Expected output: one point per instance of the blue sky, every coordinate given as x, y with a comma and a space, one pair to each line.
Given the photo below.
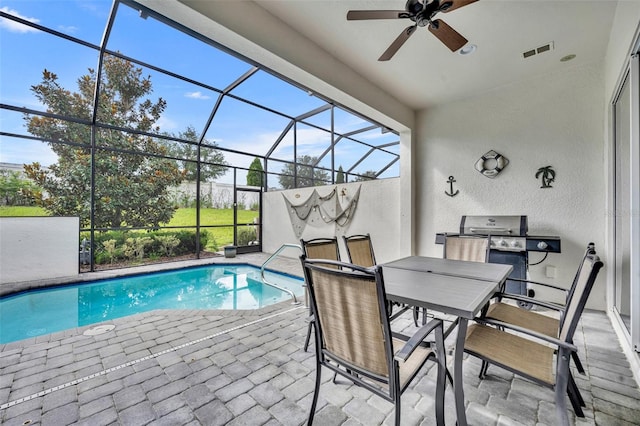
25, 53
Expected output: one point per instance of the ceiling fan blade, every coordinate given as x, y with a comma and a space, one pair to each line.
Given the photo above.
450, 37
455, 4
354, 15
397, 43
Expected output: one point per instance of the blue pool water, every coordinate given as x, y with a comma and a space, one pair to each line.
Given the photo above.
46, 311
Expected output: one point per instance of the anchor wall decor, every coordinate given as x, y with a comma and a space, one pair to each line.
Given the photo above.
451, 193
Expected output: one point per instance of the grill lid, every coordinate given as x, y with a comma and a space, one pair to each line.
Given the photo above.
495, 225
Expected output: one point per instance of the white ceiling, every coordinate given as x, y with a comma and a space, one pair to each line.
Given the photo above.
424, 72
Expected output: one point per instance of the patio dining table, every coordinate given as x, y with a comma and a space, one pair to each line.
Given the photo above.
453, 287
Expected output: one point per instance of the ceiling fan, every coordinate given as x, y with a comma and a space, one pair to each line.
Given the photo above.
422, 13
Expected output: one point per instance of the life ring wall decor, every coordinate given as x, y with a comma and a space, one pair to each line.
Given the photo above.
491, 164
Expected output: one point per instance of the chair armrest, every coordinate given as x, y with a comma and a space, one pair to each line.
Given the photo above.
526, 299
556, 342
555, 287
416, 339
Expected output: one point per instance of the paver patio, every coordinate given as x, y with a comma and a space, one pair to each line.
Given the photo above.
248, 368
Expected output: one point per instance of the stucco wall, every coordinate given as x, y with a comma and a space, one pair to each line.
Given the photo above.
33, 248
377, 213
552, 120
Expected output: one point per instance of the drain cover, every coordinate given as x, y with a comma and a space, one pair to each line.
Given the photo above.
100, 329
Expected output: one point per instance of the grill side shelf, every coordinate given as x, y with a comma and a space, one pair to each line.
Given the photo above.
543, 244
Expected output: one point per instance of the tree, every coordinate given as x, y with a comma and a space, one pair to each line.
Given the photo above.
255, 175
308, 174
368, 175
212, 164
15, 190
130, 188
340, 176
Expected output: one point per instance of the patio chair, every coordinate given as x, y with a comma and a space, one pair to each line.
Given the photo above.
474, 249
457, 247
540, 323
535, 356
321, 248
353, 335
318, 248
360, 250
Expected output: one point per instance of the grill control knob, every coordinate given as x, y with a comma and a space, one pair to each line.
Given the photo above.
515, 243
542, 245
503, 243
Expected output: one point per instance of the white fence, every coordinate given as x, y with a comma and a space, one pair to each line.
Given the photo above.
213, 195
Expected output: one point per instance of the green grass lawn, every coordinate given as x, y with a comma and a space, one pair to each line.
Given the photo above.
22, 211
209, 217
187, 217
183, 217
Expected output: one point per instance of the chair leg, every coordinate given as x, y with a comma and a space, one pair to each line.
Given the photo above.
575, 402
574, 385
562, 387
443, 372
308, 339
483, 370
574, 396
577, 362
316, 391
449, 376
416, 315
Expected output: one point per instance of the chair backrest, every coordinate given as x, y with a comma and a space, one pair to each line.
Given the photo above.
475, 249
591, 265
591, 249
348, 302
360, 250
321, 248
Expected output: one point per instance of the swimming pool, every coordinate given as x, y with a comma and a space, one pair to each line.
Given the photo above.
45, 311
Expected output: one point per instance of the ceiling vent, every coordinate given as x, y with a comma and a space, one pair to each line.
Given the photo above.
538, 50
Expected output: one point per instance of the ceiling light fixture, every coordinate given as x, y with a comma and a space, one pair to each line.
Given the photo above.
468, 49
567, 58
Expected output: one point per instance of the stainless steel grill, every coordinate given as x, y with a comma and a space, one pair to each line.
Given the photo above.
506, 233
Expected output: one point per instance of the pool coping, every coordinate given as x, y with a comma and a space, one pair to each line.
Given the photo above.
7, 289
142, 317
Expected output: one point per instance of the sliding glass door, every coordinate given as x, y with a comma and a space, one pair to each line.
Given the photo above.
626, 120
